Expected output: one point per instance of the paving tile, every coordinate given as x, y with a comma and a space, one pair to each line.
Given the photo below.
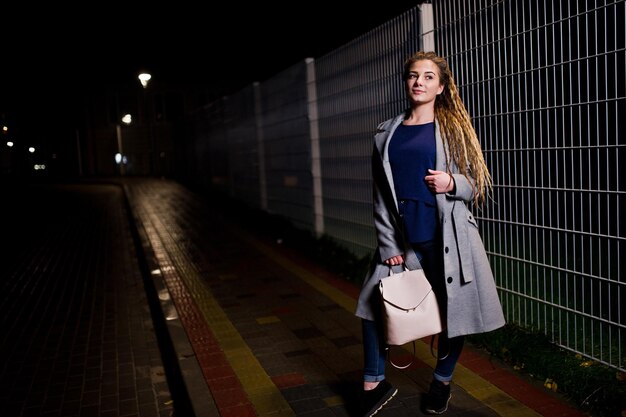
289, 380
308, 332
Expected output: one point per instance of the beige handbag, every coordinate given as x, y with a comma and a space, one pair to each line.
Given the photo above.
409, 306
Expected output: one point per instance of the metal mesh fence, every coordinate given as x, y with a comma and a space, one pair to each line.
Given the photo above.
544, 83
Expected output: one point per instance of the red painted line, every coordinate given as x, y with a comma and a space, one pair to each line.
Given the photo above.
228, 393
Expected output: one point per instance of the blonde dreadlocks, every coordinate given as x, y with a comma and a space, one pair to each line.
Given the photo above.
462, 145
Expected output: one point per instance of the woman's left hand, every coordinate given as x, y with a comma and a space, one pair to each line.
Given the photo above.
439, 182
395, 260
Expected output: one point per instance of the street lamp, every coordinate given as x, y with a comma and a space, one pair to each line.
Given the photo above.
144, 78
120, 158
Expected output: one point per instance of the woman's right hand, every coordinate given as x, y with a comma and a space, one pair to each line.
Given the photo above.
394, 260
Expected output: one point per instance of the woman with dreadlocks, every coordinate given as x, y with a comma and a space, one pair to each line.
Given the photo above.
427, 167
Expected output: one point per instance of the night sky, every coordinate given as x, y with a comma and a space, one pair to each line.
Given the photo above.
52, 53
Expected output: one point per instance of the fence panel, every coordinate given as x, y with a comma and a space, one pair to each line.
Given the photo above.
358, 86
544, 83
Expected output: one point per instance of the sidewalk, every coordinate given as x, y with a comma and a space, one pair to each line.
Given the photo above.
241, 326
77, 335
275, 335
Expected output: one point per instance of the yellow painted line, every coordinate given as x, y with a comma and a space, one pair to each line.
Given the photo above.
481, 389
260, 389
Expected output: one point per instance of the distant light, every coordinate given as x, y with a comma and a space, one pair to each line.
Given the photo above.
118, 158
31, 149
38, 167
5, 129
10, 144
127, 119
144, 78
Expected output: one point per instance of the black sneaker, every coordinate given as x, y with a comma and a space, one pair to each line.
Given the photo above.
374, 400
437, 399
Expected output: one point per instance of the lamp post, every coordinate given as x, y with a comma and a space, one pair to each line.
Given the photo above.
120, 158
144, 79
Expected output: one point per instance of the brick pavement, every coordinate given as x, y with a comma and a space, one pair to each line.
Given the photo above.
278, 333
254, 328
77, 334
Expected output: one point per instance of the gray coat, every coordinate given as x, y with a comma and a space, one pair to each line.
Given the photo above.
473, 303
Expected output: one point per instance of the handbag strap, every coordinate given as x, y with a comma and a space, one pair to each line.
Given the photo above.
406, 268
395, 365
432, 352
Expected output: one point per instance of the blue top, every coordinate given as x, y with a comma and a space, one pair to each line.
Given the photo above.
412, 151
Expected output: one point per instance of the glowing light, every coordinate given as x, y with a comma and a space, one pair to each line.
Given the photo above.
10, 144
31, 149
144, 78
127, 119
118, 158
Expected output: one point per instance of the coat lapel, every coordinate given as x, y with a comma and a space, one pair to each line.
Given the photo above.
382, 139
440, 165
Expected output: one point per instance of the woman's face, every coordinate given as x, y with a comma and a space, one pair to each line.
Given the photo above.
423, 83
